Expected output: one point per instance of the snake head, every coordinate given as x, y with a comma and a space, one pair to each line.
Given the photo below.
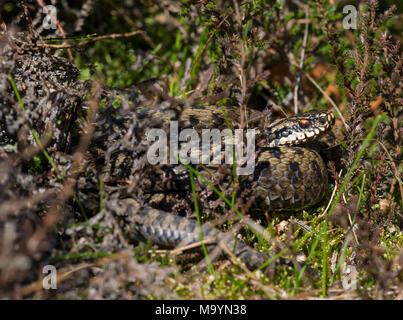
299, 128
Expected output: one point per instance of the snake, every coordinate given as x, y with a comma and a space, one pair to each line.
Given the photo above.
289, 174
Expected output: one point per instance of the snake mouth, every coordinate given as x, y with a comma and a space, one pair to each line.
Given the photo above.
300, 128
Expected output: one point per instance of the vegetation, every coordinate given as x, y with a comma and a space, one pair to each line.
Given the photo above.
108, 57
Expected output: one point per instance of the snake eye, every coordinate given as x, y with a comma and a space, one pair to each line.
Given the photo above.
304, 124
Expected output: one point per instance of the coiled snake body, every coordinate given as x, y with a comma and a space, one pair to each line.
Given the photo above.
288, 175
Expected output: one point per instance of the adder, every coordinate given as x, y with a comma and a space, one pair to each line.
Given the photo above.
288, 175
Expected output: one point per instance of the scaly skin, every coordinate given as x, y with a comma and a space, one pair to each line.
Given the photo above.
169, 230
286, 177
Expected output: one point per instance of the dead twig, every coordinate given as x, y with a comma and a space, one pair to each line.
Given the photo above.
59, 27
67, 272
84, 42
301, 62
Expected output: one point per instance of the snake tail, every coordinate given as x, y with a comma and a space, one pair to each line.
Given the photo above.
168, 230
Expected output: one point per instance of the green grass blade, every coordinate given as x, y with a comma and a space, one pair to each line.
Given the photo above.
209, 265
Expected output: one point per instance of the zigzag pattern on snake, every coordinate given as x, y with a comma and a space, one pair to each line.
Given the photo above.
289, 175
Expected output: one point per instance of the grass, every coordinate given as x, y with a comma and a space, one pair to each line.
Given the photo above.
210, 267
39, 143
33, 131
